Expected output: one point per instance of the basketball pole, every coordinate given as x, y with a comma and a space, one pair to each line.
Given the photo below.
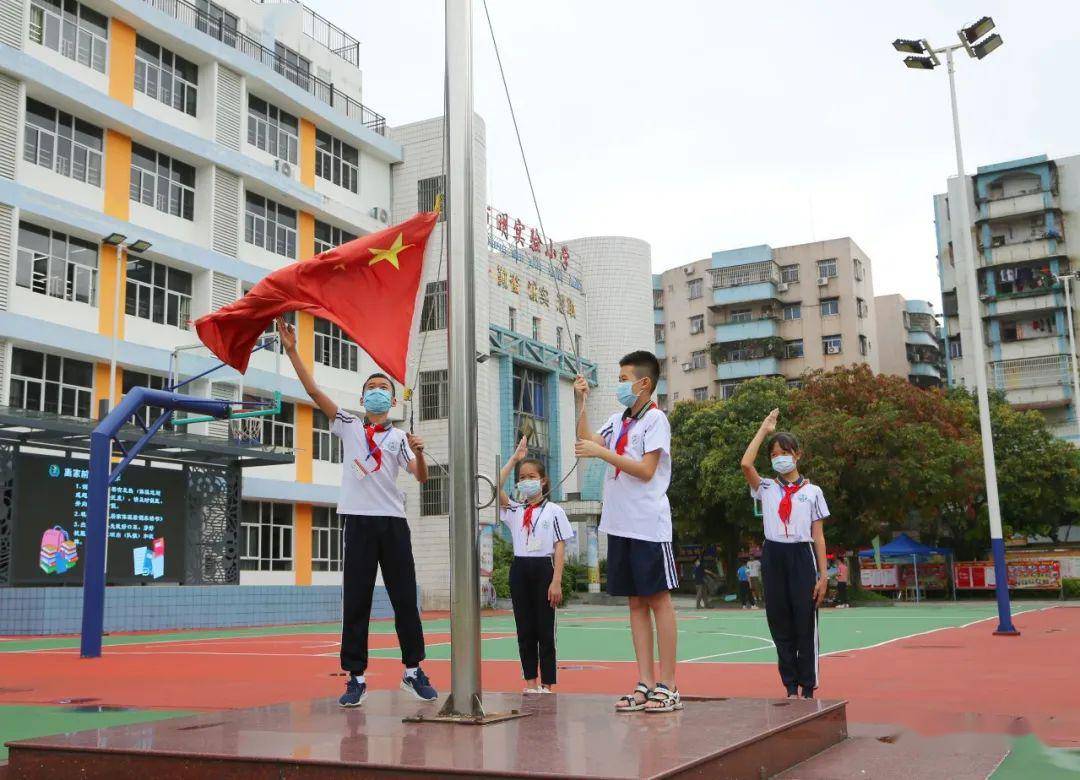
465, 689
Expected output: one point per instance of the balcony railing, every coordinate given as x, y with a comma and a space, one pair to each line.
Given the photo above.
192, 16
1021, 373
740, 275
326, 33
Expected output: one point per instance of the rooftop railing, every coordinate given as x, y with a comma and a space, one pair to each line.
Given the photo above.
1021, 373
751, 273
326, 33
222, 30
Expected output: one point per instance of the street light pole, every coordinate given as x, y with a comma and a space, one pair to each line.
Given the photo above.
1066, 280
121, 250
976, 41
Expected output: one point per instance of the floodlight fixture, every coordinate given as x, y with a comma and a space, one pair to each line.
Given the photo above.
920, 63
114, 239
910, 46
982, 49
139, 246
978, 30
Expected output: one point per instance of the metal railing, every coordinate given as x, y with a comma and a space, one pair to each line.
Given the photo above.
1022, 373
220, 30
326, 33
751, 273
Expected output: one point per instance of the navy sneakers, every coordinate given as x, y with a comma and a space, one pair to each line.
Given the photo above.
419, 686
354, 693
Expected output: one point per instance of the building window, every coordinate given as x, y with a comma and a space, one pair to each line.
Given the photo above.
789, 274
167, 77
658, 299
337, 161
435, 495
293, 65
792, 311
661, 401
334, 348
77, 32
274, 131
727, 389
862, 308
701, 393
536, 328
159, 293
277, 429
62, 143
161, 182
513, 319
793, 349
327, 237
1022, 330
577, 346
433, 313
794, 384
698, 359
831, 345
216, 22
434, 395
427, 192
270, 225
326, 539
48, 383
741, 315
530, 410
57, 265
133, 379
858, 269
826, 269
558, 338
325, 446
695, 287
830, 307
658, 334
697, 324
955, 350
266, 536
864, 345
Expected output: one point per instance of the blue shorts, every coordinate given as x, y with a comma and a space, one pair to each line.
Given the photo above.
639, 568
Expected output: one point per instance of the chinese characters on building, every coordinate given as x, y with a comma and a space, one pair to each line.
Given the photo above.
513, 238
536, 292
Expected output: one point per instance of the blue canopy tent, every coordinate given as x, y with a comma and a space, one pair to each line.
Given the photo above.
904, 548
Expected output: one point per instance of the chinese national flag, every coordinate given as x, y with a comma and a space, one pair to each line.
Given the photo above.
367, 287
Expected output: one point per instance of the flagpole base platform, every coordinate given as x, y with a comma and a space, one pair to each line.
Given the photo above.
565, 736
1007, 632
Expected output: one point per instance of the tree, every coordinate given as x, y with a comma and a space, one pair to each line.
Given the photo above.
883, 450
709, 497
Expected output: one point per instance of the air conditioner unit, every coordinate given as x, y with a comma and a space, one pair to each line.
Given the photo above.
283, 167
832, 349
822, 281
685, 366
379, 214
689, 270
782, 287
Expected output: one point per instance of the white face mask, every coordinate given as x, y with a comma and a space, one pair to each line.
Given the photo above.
783, 464
529, 488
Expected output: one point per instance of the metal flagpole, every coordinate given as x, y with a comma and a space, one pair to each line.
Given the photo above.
465, 691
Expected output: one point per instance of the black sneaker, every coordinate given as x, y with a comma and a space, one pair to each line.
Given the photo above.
419, 686
354, 693
793, 692
807, 693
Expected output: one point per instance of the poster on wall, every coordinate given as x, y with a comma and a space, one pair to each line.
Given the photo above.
886, 577
931, 576
146, 522
1023, 575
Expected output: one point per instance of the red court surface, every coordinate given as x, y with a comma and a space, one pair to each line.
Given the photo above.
947, 681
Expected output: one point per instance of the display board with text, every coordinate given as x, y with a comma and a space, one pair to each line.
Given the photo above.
1023, 575
147, 519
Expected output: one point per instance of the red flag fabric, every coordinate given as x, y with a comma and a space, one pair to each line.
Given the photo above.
367, 287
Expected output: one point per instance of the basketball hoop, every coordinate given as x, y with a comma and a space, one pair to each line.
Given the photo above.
246, 431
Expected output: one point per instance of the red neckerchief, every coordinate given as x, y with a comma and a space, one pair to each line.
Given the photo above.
624, 434
785, 503
526, 520
370, 429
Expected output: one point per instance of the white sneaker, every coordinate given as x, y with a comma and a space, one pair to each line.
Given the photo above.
530, 690
542, 689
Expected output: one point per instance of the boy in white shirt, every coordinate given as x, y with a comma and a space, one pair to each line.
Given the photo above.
376, 534
636, 516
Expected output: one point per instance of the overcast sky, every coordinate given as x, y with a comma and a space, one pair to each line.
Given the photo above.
701, 126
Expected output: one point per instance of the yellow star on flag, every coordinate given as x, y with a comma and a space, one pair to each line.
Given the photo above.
390, 255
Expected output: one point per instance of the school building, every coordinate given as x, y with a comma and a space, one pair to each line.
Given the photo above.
1024, 217
158, 158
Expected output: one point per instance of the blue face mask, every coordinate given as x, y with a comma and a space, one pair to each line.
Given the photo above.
529, 488
377, 400
624, 391
783, 464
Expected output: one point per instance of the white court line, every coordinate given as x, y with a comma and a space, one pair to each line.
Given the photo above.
164, 641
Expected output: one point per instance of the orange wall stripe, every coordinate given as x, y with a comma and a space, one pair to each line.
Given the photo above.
307, 155
121, 61
302, 543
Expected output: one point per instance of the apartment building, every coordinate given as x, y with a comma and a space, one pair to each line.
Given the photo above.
1023, 214
762, 311
909, 340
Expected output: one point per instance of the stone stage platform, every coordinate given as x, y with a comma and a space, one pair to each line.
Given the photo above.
564, 736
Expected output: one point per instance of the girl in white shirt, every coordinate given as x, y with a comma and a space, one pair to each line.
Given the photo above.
539, 529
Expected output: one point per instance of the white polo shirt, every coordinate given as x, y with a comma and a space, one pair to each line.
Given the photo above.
634, 508
368, 487
549, 525
807, 507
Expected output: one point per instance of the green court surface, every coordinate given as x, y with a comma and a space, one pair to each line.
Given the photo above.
24, 722
715, 635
